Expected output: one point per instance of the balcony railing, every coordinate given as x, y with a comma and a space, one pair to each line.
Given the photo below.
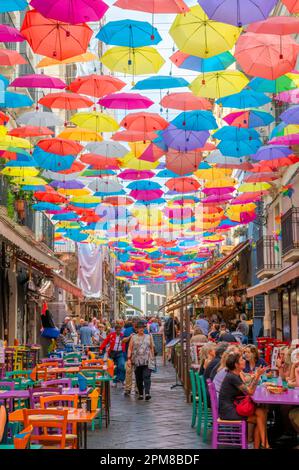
290, 234
268, 256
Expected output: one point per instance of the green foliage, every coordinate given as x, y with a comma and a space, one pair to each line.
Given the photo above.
10, 204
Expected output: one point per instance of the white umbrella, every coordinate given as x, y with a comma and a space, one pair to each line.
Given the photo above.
105, 185
40, 118
107, 149
52, 175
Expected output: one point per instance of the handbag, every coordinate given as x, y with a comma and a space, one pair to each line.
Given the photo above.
152, 364
244, 406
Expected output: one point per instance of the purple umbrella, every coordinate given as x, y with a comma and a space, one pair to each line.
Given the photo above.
237, 12
271, 152
71, 184
71, 11
291, 115
9, 34
38, 81
183, 140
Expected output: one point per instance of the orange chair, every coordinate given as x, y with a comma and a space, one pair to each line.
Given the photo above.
66, 401
110, 367
22, 440
44, 422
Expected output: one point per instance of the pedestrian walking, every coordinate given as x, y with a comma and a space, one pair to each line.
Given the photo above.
116, 352
141, 355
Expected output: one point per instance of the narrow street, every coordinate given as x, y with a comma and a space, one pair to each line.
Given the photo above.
162, 423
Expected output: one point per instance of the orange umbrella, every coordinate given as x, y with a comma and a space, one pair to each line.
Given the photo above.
272, 165
60, 146
185, 101
96, 85
266, 55
261, 177
30, 131
144, 122
86, 57
64, 100
99, 162
133, 136
183, 185
8, 57
76, 167
183, 163
89, 219
55, 39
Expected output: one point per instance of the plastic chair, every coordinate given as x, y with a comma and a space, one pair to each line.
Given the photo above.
66, 401
53, 361
72, 357
22, 440
206, 414
36, 393
224, 432
88, 363
194, 397
53, 424
65, 383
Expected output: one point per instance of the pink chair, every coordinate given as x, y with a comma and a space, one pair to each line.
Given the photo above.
65, 383
224, 432
9, 401
36, 393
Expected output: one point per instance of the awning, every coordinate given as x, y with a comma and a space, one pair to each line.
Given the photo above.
68, 286
283, 277
203, 284
131, 306
18, 236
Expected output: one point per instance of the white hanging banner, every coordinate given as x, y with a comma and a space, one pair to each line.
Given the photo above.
90, 261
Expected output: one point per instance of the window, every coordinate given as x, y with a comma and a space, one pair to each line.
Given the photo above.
129, 298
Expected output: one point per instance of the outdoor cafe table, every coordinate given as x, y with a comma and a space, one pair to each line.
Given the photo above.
262, 396
63, 370
78, 416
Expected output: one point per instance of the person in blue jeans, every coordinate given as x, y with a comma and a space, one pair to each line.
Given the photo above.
116, 352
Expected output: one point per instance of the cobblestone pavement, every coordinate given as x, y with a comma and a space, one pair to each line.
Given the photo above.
162, 423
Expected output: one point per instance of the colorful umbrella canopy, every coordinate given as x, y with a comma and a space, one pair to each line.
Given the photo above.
144, 122
266, 55
191, 62
96, 85
52, 161
37, 81
154, 6
125, 101
292, 5
219, 84
80, 134
185, 101
86, 57
134, 136
60, 146
15, 100
137, 61
237, 12
58, 40
272, 152
98, 122
10, 34
71, 11
239, 148
11, 58
183, 163
65, 100
280, 25
291, 96
129, 33
136, 175
194, 33
253, 187
183, 185
30, 131
248, 119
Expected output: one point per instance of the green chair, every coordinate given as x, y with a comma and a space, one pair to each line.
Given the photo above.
199, 404
21, 378
206, 411
72, 357
194, 397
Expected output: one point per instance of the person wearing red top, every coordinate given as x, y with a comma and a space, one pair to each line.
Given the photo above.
116, 349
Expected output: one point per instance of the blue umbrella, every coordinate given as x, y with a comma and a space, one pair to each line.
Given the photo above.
45, 206
167, 174
22, 157
272, 86
129, 33
52, 161
66, 216
115, 193
231, 148
15, 100
251, 118
197, 64
143, 185
160, 82
12, 5
204, 166
244, 99
159, 142
76, 235
235, 133
29, 187
21, 163
4, 80
195, 121
226, 222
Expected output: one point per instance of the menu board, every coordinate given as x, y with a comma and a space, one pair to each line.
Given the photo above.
159, 343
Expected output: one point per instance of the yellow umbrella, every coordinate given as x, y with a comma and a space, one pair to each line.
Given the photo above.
220, 183
219, 84
86, 57
86, 199
95, 121
253, 187
194, 33
294, 77
67, 224
213, 173
10, 141
23, 171
74, 192
289, 130
80, 134
238, 208
133, 163
139, 147
30, 181
133, 61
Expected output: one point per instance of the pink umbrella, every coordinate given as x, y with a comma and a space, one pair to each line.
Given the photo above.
292, 139
38, 81
266, 55
125, 101
218, 191
290, 96
281, 25
246, 198
217, 199
9, 34
146, 195
71, 11
136, 175
152, 153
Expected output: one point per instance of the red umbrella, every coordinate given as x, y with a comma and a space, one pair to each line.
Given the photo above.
30, 131
133, 136
76, 167
55, 39
266, 55
262, 177
280, 25
144, 122
292, 6
65, 100
89, 219
8, 57
183, 185
183, 163
99, 162
273, 165
3, 118
60, 146
185, 101
96, 85
118, 200
50, 195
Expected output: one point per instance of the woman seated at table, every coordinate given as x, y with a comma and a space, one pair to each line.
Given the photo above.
64, 340
207, 354
252, 359
198, 336
222, 370
283, 362
233, 387
293, 378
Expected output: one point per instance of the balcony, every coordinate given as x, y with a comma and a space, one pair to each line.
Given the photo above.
290, 235
268, 257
